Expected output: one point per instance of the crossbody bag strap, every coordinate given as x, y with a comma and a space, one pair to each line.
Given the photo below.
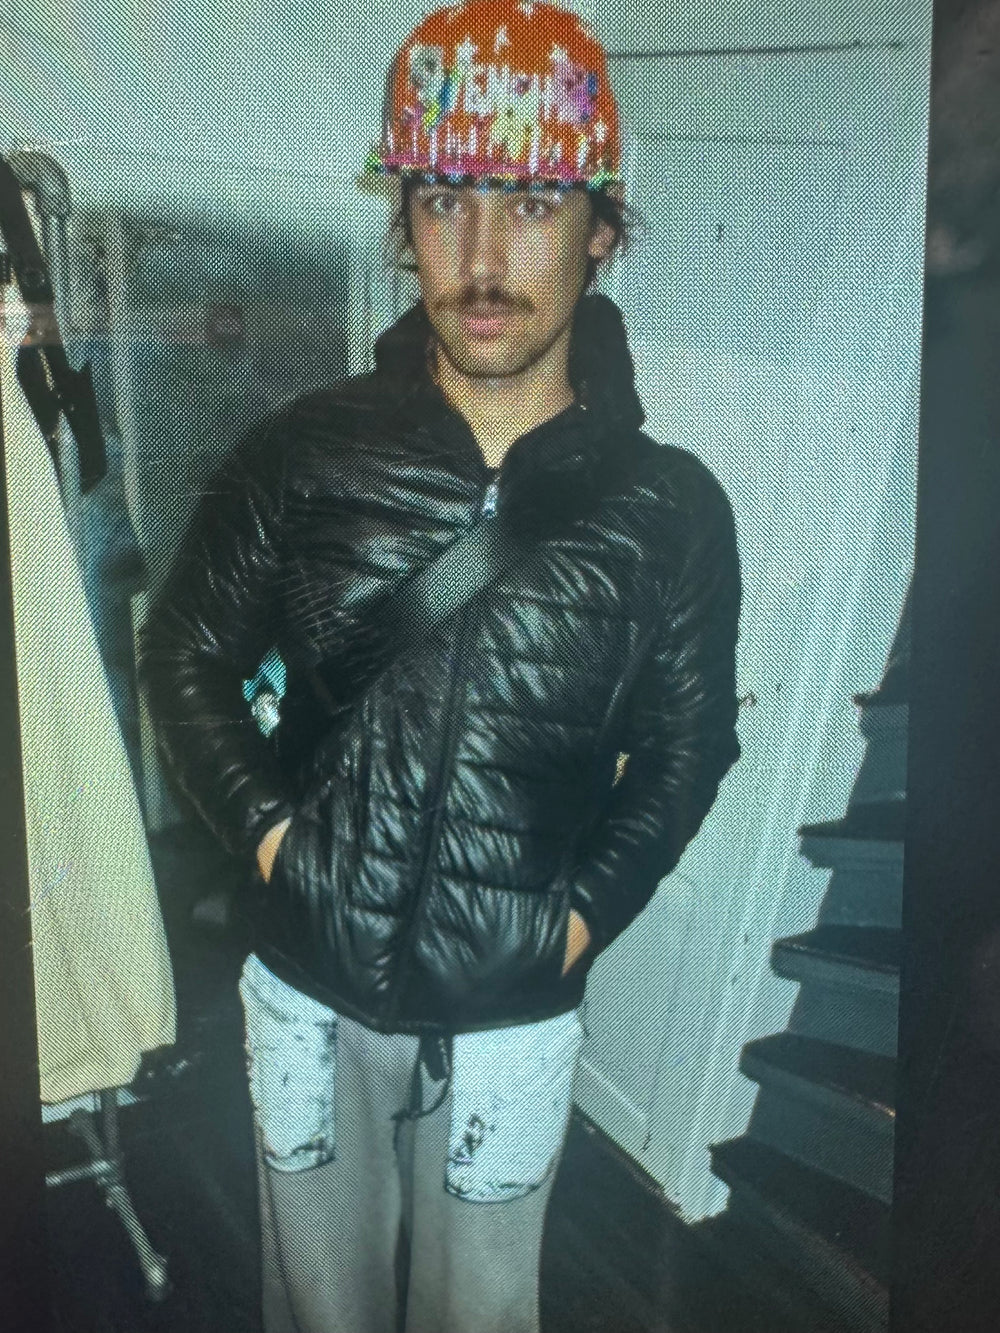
436, 591
480, 556
472, 562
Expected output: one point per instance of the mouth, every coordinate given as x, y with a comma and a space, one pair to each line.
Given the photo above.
485, 323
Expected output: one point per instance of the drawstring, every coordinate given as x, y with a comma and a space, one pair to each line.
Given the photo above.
434, 1053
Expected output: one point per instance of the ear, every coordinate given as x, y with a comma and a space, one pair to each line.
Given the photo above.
602, 239
602, 234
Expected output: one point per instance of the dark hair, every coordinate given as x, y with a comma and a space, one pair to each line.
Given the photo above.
621, 217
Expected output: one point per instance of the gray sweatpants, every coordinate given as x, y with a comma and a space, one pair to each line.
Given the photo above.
434, 1228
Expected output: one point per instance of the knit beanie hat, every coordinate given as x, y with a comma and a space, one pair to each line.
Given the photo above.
501, 90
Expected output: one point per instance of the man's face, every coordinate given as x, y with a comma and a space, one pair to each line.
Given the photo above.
501, 271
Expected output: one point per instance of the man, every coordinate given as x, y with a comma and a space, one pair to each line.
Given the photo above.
445, 840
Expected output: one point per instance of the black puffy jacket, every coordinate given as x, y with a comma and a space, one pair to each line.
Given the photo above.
446, 816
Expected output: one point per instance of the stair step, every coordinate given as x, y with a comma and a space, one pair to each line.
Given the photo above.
861, 1079
863, 957
890, 694
829, 1107
847, 1016
849, 1225
868, 821
882, 775
834, 1235
881, 716
866, 888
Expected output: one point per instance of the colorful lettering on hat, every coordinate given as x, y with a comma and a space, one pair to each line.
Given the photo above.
501, 90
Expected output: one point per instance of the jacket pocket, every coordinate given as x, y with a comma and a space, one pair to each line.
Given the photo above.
512, 1091
291, 1051
481, 948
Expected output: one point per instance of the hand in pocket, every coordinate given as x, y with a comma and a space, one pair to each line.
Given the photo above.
267, 848
577, 940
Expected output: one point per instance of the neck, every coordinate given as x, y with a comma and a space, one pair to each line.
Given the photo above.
501, 409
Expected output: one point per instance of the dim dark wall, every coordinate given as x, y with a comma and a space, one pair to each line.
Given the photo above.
946, 1217
954, 768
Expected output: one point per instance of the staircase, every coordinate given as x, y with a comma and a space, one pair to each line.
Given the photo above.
811, 1179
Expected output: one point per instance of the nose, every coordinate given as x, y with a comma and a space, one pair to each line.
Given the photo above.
485, 250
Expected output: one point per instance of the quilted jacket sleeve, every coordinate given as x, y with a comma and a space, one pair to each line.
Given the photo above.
681, 727
216, 617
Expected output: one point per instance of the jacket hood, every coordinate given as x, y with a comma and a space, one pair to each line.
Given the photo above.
601, 370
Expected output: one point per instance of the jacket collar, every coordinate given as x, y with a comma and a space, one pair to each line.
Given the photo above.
601, 370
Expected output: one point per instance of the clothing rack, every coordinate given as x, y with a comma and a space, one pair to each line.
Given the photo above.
59, 396
100, 1134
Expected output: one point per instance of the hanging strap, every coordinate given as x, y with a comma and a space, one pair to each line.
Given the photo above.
48, 381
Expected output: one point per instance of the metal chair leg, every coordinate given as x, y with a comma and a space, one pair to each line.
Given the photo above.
105, 1168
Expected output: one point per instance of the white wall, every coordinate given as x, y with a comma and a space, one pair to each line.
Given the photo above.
774, 309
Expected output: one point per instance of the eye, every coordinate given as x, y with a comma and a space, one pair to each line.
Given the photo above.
536, 207
442, 204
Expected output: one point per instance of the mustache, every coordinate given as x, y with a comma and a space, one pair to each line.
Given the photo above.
481, 300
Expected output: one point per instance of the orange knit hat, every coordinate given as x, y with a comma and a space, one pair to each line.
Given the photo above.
502, 90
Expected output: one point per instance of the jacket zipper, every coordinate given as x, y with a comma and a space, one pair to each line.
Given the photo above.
488, 507
453, 713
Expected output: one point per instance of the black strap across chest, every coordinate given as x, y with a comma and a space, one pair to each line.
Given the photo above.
475, 560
